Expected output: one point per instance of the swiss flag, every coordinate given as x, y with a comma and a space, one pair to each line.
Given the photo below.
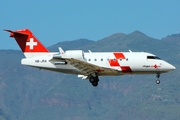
27, 41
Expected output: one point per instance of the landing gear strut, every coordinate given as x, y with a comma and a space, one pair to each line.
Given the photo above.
94, 79
158, 81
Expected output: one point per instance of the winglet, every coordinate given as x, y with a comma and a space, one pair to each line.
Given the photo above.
89, 51
61, 51
130, 51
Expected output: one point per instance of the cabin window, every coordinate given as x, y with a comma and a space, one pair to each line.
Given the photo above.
120, 59
89, 59
101, 59
95, 59
126, 59
114, 59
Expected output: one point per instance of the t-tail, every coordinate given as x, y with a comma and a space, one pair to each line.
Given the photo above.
28, 43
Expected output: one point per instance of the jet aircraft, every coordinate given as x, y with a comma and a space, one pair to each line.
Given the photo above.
87, 65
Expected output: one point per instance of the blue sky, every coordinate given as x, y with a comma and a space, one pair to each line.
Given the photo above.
60, 20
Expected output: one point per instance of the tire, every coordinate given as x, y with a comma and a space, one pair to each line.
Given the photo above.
91, 80
95, 84
157, 81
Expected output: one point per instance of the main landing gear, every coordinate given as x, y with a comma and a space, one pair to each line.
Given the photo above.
158, 81
94, 79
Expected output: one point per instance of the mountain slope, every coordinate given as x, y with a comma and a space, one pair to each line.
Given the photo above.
29, 93
124, 42
79, 43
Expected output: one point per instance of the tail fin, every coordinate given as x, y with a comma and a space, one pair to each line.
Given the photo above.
28, 43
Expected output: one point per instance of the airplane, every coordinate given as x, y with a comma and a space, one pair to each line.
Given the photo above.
87, 65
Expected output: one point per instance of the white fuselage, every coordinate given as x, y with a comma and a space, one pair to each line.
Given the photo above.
124, 62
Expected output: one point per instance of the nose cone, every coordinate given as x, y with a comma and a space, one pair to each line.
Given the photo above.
170, 67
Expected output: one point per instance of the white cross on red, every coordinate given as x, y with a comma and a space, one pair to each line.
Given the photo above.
31, 43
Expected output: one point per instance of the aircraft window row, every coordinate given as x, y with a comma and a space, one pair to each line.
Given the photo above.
95, 59
108, 59
153, 57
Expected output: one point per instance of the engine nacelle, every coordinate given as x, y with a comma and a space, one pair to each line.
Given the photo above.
77, 54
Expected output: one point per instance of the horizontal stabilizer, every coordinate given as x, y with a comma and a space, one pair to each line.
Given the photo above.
15, 33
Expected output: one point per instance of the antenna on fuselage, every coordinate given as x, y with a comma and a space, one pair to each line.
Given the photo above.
89, 51
130, 50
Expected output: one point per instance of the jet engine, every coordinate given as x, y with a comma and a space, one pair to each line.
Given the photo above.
77, 54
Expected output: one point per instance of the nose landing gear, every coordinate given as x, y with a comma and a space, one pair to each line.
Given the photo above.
158, 81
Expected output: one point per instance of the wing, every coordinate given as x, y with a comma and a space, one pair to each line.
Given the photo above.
88, 68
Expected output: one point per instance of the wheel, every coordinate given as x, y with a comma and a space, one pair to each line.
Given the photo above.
157, 81
94, 80
91, 80
95, 83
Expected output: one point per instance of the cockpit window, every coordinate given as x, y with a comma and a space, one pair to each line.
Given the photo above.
153, 57
157, 57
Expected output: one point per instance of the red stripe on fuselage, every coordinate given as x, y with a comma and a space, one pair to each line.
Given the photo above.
126, 69
119, 55
114, 62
